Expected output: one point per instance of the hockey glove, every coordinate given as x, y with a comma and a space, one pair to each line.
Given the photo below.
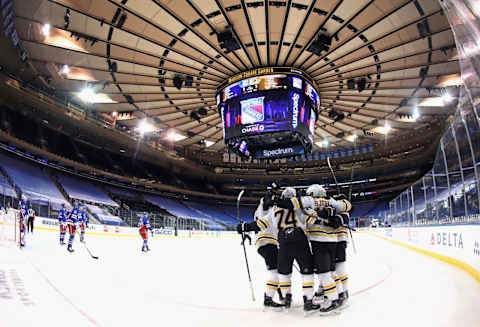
240, 228
335, 221
247, 227
345, 218
326, 212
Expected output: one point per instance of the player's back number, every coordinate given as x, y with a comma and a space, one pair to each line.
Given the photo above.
286, 218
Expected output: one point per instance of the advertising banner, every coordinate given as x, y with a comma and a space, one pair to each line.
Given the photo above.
460, 242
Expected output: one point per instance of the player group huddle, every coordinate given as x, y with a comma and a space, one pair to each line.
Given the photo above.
70, 220
311, 230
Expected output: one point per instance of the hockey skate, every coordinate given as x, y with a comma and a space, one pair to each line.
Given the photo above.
308, 306
343, 302
62, 243
268, 303
280, 295
144, 249
70, 249
82, 240
329, 307
288, 301
318, 297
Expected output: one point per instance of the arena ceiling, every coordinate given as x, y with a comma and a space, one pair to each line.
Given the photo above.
129, 52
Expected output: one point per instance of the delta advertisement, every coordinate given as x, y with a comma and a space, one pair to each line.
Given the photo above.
461, 242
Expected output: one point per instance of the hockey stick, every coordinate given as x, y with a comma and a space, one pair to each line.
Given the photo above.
350, 200
243, 244
338, 191
93, 256
333, 174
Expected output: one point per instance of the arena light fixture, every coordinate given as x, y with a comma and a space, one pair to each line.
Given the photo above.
174, 136
87, 95
323, 144
65, 70
46, 30
114, 114
387, 128
352, 137
447, 98
415, 114
209, 143
145, 127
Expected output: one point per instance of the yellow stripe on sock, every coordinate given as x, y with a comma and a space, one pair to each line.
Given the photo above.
331, 291
329, 286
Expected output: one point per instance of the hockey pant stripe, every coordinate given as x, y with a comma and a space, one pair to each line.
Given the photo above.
272, 282
285, 284
308, 286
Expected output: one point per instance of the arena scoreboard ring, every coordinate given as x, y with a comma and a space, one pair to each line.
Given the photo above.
269, 113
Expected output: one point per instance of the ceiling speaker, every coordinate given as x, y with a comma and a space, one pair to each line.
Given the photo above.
178, 82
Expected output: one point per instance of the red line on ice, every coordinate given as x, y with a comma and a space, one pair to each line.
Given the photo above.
83, 313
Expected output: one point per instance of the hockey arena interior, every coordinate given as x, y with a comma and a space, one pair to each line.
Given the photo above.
239, 163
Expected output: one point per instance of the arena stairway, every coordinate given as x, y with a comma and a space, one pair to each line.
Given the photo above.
91, 217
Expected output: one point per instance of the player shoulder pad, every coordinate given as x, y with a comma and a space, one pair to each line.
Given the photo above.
347, 205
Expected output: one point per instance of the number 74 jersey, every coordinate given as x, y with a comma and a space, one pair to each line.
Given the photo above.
280, 218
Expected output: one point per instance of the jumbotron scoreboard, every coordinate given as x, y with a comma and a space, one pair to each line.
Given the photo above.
269, 113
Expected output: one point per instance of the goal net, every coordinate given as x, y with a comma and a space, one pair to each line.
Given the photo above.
9, 231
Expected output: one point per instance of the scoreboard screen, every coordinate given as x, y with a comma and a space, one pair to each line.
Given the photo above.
268, 104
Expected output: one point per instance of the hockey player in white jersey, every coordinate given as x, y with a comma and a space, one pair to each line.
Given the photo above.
290, 222
340, 272
267, 246
323, 239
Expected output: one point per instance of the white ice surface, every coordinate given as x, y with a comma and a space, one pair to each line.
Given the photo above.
203, 282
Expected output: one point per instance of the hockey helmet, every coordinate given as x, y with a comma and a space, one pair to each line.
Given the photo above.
316, 191
288, 193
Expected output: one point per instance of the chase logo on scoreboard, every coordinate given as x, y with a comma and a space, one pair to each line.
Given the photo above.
252, 110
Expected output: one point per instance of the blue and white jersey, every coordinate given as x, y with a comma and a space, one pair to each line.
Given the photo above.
62, 215
22, 207
83, 217
144, 222
73, 216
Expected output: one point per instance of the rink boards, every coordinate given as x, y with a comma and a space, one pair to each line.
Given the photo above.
49, 224
120, 231
456, 244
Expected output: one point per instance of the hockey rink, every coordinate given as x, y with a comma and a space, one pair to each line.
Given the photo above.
203, 282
